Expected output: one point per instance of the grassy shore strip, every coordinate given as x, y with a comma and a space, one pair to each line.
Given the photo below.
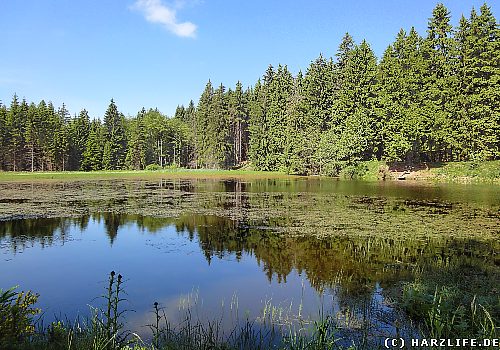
465, 172
456, 172
141, 174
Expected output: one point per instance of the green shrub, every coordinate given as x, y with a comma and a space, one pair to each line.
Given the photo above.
352, 172
153, 167
172, 166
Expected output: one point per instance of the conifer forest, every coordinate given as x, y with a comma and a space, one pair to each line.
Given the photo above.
430, 98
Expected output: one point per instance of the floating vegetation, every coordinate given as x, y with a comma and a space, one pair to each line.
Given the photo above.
434, 249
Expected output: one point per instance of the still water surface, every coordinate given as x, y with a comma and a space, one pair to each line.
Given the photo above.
242, 245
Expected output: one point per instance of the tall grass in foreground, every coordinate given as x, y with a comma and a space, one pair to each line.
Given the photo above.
443, 316
277, 327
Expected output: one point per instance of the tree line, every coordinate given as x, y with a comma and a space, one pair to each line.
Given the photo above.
428, 99
37, 137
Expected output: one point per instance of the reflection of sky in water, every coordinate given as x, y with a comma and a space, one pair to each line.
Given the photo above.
165, 266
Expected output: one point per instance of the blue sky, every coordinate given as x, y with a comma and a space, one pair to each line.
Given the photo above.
159, 53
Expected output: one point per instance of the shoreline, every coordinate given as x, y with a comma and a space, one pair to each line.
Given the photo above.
487, 172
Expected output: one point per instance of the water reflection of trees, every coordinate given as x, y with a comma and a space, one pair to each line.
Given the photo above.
354, 262
19, 234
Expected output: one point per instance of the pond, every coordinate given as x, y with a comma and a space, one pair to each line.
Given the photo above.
238, 247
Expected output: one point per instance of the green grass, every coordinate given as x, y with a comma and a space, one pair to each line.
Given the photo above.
458, 172
462, 172
467, 172
444, 312
140, 174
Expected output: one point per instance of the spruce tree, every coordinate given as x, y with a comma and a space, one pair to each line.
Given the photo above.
257, 129
439, 54
179, 138
278, 93
93, 155
32, 137
299, 149
115, 146
476, 126
180, 112
219, 147
3, 136
51, 143
400, 75
190, 119
318, 99
203, 116
157, 135
238, 118
357, 101
14, 139
136, 150
79, 129
343, 53
45, 134
61, 138
347, 44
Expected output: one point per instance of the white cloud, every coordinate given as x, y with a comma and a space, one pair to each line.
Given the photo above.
156, 12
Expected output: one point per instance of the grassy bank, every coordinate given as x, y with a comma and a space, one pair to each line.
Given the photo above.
456, 172
467, 172
139, 174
